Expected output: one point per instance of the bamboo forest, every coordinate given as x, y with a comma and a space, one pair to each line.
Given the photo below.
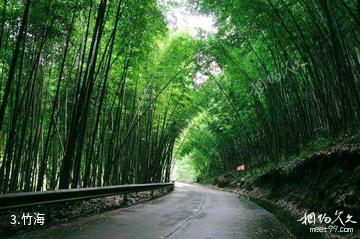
100, 92
260, 97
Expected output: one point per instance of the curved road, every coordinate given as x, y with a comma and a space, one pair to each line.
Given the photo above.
188, 212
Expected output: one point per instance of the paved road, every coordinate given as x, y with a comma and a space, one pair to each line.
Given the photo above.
188, 212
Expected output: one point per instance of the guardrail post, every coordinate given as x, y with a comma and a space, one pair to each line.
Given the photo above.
125, 199
172, 187
152, 194
47, 213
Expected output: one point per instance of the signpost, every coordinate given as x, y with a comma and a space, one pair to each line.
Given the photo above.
240, 167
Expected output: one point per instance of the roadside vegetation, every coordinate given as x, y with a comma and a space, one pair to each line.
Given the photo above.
289, 83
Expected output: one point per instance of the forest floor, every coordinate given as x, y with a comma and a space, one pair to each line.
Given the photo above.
322, 182
68, 211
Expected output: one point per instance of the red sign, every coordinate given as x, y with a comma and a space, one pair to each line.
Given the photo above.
240, 167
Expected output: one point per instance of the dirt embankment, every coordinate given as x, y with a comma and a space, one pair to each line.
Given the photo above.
324, 182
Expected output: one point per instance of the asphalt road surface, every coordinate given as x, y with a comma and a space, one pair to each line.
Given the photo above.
188, 212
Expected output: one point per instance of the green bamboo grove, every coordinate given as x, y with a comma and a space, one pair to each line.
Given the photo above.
93, 93
100, 92
290, 82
